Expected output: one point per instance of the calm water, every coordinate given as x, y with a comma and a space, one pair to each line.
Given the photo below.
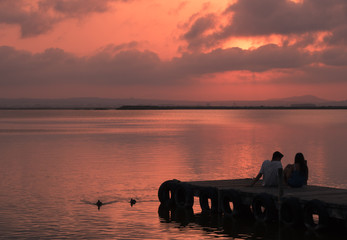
54, 162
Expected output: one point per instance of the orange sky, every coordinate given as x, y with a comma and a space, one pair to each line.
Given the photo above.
191, 50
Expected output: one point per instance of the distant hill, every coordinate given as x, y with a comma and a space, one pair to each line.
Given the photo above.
307, 100
109, 103
336, 103
302, 99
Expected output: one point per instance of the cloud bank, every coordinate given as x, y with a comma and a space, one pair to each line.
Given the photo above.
37, 17
250, 18
130, 66
311, 47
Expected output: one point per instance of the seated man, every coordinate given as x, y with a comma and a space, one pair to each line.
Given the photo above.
270, 171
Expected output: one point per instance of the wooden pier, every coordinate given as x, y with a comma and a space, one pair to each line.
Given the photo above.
315, 207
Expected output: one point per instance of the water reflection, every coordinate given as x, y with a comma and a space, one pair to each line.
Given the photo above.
218, 226
50, 160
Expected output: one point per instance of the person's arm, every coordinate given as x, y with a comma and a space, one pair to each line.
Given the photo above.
256, 179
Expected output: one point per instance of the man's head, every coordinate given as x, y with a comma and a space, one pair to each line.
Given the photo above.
277, 156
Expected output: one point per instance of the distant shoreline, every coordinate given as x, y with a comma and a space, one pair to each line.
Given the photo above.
155, 107
139, 107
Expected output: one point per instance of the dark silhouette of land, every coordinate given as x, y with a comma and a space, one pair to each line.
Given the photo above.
151, 107
299, 102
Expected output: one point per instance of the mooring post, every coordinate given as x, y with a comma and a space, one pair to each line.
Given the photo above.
280, 191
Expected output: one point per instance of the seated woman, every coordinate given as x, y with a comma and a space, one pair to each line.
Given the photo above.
296, 175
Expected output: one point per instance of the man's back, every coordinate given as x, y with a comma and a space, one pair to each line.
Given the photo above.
269, 169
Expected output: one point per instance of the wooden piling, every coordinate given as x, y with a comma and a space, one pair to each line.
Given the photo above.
280, 191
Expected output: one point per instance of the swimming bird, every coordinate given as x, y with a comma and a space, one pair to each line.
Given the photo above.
132, 201
99, 204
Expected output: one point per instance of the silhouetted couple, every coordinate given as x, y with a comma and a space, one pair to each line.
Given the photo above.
294, 175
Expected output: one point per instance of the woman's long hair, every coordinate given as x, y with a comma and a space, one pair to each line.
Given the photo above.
300, 159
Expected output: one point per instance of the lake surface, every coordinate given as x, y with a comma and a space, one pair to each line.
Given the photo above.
55, 162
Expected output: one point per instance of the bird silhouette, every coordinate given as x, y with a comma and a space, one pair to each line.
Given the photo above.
132, 202
98, 203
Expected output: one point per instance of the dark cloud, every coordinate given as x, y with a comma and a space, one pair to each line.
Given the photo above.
285, 17
132, 67
198, 29
36, 18
113, 49
338, 36
54, 66
200, 26
334, 56
262, 59
250, 18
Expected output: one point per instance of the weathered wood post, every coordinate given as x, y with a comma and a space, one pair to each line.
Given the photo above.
280, 191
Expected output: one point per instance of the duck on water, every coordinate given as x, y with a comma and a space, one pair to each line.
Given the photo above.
99, 203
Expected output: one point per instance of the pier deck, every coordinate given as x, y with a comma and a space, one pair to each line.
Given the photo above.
334, 199
332, 196
235, 197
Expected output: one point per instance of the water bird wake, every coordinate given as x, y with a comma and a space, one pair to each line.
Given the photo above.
99, 203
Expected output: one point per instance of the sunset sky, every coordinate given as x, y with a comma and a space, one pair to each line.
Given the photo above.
186, 49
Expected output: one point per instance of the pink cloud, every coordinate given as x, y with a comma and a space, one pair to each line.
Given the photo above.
311, 49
